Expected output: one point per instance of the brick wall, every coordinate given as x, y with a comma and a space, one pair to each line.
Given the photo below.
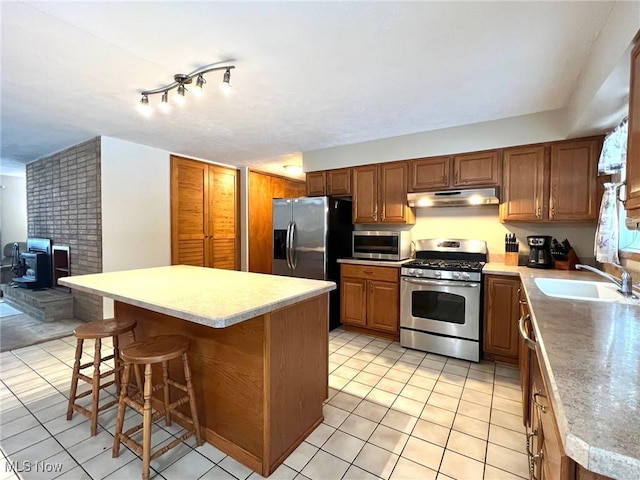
63, 204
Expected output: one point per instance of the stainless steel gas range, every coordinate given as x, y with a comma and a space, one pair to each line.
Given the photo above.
440, 298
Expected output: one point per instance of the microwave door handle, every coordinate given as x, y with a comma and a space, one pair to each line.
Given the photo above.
440, 283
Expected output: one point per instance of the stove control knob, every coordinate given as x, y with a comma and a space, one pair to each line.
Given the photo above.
456, 275
465, 276
438, 274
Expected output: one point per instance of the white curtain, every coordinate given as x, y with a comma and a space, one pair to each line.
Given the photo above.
606, 244
614, 151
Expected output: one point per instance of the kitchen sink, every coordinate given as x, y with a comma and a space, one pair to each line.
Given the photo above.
579, 290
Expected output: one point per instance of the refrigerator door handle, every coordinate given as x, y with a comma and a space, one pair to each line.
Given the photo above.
293, 251
288, 246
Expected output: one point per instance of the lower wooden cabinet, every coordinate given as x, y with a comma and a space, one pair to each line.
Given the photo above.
501, 314
370, 297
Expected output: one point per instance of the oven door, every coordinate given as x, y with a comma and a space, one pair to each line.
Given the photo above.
440, 306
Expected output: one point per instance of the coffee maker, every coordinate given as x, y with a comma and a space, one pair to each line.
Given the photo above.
539, 251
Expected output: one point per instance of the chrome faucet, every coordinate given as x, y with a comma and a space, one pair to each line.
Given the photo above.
625, 283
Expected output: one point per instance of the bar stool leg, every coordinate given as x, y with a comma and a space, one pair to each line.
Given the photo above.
136, 370
96, 387
116, 364
74, 378
146, 423
167, 402
192, 398
122, 406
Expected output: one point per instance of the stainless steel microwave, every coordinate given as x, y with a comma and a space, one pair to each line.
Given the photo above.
381, 245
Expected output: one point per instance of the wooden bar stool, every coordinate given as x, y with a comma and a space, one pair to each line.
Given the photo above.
159, 349
97, 331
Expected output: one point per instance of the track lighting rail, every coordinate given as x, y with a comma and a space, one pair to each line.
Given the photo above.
185, 79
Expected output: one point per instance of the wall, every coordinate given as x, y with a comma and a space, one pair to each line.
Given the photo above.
541, 127
483, 223
13, 209
136, 215
64, 204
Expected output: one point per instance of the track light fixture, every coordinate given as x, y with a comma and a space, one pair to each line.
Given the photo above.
182, 79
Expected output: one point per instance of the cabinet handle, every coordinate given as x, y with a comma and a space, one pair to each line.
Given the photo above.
371, 287
521, 301
532, 464
445, 179
375, 213
384, 213
542, 408
529, 437
530, 343
538, 209
553, 207
455, 178
368, 272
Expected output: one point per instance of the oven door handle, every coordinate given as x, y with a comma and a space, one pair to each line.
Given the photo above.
441, 283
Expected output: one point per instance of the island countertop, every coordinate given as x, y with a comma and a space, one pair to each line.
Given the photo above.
208, 296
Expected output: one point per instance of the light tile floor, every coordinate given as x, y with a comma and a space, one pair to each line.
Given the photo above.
392, 413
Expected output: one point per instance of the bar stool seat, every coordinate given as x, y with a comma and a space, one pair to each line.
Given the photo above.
160, 349
97, 330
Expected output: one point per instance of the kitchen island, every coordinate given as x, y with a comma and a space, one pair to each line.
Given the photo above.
259, 349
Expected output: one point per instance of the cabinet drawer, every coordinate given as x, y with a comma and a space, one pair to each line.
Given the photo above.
387, 274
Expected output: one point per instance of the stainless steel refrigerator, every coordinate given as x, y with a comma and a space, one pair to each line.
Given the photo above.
309, 235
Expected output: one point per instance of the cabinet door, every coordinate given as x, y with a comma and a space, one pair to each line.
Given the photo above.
260, 220
573, 185
316, 184
383, 306
189, 212
501, 318
633, 146
223, 218
393, 193
524, 359
429, 173
476, 169
523, 185
353, 299
365, 194
339, 182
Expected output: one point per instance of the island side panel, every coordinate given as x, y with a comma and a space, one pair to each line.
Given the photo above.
297, 375
227, 366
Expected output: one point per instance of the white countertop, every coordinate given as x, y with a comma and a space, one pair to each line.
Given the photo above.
590, 357
208, 296
378, 263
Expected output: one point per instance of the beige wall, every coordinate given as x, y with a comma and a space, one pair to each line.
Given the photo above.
13, 210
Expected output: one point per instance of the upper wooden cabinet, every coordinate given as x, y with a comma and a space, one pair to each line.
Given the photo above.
336, 183
573, 184
380, 194
339, 182
633, 146
554, 183
478, 169
523, 185
429, 173
204, 215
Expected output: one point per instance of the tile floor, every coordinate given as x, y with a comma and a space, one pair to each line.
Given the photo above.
393, 413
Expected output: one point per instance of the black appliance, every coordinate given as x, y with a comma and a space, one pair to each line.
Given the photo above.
440, 298
309, 235
38, 264
539, 251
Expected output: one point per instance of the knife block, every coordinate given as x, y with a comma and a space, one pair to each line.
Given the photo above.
570, 263
511, 259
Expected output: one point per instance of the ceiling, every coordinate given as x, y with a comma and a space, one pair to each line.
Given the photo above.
309, 75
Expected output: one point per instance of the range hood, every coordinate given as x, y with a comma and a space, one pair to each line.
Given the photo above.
454, 198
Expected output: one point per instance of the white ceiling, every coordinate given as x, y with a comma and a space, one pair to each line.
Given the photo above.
308, 75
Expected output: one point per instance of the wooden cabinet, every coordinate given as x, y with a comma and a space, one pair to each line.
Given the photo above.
523, 185
380, 194
477, 169
263, 189
61, 263
501, 314
524, 355
573, 184
204, 214
370, 297
316, 184
554, 183
632, 204
336, 183
429, 173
